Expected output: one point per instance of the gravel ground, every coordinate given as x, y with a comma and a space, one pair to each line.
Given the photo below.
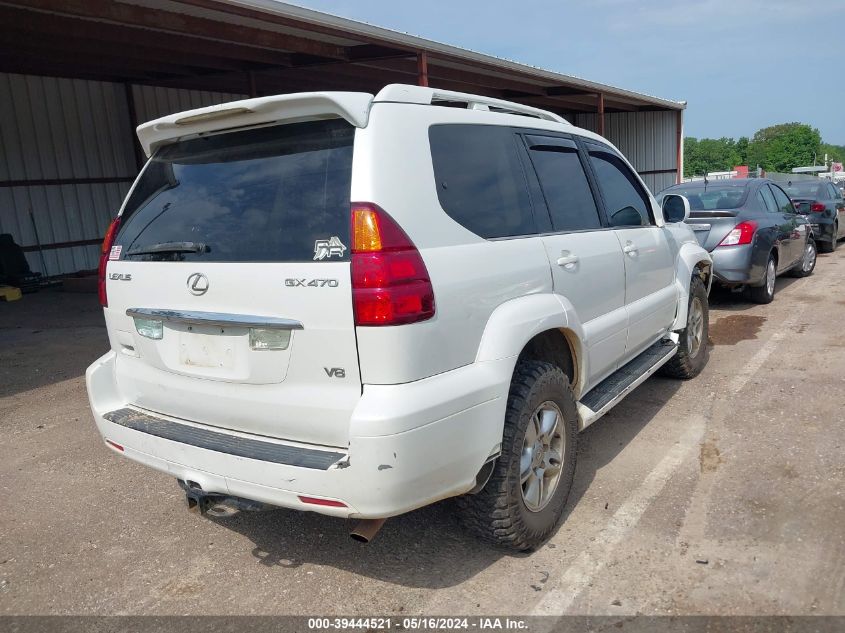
721, 495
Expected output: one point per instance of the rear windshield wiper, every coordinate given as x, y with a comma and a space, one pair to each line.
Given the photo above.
170, 247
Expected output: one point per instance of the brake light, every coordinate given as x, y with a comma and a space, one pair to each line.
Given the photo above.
390, 283
817, 207
108, 241
742, 233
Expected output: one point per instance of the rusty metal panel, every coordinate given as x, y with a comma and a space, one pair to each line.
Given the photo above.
647, 139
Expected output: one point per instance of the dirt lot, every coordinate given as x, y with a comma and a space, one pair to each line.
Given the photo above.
720, 495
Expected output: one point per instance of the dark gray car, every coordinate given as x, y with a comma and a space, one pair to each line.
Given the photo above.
751, 229
824, 207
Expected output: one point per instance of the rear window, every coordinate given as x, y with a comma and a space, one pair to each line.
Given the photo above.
480, 182
711, 198
806, 189
269, 194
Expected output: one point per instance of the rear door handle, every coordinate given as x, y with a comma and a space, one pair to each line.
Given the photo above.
630, 249
567, 259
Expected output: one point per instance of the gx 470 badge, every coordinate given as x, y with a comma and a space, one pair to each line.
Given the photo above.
313, 283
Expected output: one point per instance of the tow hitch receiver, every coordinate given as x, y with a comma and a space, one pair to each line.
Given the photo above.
216, 505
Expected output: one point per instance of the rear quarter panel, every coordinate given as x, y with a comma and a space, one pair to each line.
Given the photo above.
471, 276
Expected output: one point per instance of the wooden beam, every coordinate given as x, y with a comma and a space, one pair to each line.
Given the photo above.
42, 25
49, 47
182, 23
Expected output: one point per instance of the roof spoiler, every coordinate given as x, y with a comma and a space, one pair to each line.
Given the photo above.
354, 107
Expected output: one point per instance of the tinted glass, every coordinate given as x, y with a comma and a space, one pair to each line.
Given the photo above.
258, 195
566, 189
712, 197
768, 199
623, 199
479, 177
833, 192
803, 189
782, 200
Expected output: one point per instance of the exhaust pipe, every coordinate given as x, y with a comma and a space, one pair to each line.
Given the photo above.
365, 530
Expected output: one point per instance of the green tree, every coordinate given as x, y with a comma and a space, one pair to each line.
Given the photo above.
782, 147
705, 155
835, 153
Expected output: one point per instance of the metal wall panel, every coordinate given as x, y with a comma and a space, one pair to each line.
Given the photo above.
647, 139
152, 102
54, 128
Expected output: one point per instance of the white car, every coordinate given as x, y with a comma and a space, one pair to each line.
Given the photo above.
359, 305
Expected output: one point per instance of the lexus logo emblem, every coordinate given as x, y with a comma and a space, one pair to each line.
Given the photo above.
198, 284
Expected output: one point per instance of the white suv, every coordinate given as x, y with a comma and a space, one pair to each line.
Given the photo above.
361, 305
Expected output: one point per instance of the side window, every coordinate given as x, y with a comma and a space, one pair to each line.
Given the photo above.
768, 199
833, 192
784, 203
480, 182
624, 200
564, 184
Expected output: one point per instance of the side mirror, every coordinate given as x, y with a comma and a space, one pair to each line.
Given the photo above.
675, 208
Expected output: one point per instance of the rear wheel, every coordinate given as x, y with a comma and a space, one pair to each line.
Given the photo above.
522, 502
692, 348
807, 265
830, 246
766, 292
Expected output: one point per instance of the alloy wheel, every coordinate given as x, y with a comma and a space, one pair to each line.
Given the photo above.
543, 452
695, 327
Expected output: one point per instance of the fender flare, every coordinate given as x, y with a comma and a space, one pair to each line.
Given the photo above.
690, 257
517, 321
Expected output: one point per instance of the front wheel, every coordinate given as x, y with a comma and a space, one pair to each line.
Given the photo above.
692, 348
522, 502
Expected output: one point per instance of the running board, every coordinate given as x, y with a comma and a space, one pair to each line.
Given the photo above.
604, 396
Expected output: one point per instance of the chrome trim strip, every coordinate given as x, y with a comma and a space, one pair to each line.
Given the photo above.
222, 442
220, 319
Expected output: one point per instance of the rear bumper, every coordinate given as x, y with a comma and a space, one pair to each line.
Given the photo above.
410, 445
734, 265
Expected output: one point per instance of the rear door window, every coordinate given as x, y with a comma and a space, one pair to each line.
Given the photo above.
480, 181
624, 200
564, 183
768, 199
260, 195
782, 200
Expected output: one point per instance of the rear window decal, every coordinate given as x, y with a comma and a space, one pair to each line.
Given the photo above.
115, 252
325, 249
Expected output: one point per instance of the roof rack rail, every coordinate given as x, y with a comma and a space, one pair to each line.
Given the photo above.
402, 93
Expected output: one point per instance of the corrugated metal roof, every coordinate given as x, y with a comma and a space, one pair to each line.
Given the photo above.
369, 31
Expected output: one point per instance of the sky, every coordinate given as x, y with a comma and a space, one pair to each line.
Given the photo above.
740, 64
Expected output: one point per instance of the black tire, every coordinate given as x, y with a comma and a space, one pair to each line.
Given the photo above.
498, 513
691, 359
765, 293
805, 268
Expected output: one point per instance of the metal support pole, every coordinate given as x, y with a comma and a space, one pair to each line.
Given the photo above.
422, 69
133, 123
601, 114
253, 88
680, 142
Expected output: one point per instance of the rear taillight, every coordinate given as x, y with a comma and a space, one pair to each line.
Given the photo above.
817, 207
108, 242
390, 283
742, 233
